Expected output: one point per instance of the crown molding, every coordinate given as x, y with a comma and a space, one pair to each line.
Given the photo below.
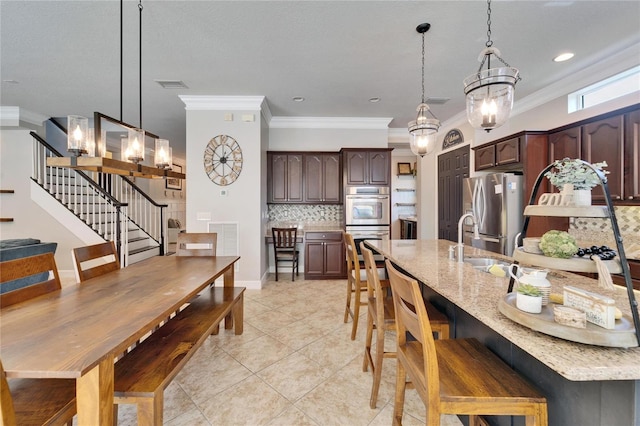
11, 116
362, 123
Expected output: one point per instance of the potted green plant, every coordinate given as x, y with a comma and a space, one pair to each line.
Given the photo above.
577, 177
529, 298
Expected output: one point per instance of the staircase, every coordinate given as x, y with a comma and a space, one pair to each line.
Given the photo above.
112, 206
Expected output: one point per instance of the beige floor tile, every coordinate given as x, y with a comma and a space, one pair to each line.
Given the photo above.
293, 416
298, 334
294, 376
251, 402
260, 353
270, 321
336, 349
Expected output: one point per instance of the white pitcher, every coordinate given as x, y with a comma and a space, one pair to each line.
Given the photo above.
536, 277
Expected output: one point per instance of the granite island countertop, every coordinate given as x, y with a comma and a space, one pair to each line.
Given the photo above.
478, 293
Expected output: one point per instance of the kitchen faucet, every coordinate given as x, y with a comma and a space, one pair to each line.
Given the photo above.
476, 235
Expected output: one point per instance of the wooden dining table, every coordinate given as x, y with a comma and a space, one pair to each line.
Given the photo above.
78, 331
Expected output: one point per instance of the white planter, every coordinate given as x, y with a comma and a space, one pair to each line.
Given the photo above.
582, 197
531, 304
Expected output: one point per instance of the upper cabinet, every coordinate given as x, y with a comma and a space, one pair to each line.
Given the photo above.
367, 166
611, 137
631, 175
304, 177
503, 154
284, 177
322, 183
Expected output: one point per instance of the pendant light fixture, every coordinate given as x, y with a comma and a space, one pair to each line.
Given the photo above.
423, 129
490, 92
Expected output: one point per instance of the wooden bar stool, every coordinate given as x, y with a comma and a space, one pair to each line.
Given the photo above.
381, 317
356, 284
454, 376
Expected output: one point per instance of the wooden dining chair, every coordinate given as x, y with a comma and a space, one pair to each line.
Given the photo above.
33, 401
95, 260
453, 376
284, 248
356, 284
381, 317
40, 270
191, 244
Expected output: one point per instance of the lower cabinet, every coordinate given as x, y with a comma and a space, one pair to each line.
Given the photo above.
324, 255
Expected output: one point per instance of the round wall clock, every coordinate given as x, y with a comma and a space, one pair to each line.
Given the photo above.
223, 160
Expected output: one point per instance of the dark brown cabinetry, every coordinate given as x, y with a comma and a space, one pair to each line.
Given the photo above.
632, 159
284, 177
324, 255
612, 137
367, 166
322, 183
497, 154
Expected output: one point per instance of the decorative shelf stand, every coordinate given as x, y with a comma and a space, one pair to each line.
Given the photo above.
619, 265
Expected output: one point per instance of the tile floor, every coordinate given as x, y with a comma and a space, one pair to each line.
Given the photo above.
294, 365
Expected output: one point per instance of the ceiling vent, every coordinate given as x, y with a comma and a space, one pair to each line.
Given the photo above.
437, 101
172, 84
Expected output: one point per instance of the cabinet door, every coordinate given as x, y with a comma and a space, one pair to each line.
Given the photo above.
294, 178
565, 144
632, 157
334, 258
485, 157
603, 141
277, 182
314, 258
357, 165
379, 168
331, 182
508, 152
313, 176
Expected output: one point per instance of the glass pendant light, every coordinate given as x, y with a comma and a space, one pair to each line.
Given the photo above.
423, 129
490, 92
77, 129
162, 154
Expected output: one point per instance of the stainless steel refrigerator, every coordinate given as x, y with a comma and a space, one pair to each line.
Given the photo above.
496, 201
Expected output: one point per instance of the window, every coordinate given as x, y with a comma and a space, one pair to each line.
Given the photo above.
605, 90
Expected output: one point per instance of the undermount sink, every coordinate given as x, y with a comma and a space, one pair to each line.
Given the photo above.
484, 263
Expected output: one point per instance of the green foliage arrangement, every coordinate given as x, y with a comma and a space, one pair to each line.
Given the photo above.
575, 172
558, 244
529, 290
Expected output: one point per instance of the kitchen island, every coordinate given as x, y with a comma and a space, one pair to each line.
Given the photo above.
584, 384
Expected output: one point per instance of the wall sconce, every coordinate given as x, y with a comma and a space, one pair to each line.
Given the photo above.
134, 150
162, 155
77, 128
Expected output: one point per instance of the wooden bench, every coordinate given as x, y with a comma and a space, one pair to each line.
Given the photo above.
142, 374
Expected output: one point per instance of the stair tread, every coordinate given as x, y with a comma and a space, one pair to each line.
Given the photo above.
142, 249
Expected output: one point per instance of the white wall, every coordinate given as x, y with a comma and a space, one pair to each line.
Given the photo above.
297, 139
30, 220
244, 200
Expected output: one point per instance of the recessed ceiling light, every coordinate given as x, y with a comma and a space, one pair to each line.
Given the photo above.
11, 81
172, 84
374, 100
563, 57
298, 99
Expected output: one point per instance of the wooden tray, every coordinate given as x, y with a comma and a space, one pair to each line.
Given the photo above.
622, 336
573, 264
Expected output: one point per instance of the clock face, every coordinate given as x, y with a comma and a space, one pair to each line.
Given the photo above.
223, 160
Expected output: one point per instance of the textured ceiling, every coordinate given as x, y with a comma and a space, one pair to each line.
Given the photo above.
65, 55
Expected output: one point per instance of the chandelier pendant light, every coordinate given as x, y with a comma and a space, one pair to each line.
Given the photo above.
424, 128
489, 93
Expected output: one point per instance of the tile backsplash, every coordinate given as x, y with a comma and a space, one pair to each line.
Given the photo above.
628, 218
305, 212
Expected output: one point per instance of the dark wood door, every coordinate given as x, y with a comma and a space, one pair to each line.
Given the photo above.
334, 258
357, 166
603, 141
313, 178
379, 168
314, 258
485, 157
331, 182
565, 144
453, 166
294, 178
632, 157
277, 181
